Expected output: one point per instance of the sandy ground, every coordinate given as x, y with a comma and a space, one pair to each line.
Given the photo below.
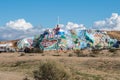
10, 76
77, 63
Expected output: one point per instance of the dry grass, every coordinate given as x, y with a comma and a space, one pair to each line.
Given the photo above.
51, 70
101, 67
114, 34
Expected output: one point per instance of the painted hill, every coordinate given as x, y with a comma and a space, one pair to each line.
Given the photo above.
112, 34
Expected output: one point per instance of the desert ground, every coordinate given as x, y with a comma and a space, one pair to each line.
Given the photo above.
85, 65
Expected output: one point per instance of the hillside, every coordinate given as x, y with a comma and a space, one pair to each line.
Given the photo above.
114, 34
82, 65
14, 42
15, 66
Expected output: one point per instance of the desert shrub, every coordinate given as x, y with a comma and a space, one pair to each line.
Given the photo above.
41, 51
105, 65
86, 76
56, 55
92, 55
112, 50
42, 54
51, 70
71, 54
96, 51
26, 78
22, 54
79, 53
36, 50
18, 63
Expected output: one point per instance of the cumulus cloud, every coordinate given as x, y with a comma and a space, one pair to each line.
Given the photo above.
19, 24
61, 25
112, 23
11, 34
71, 25
18, 29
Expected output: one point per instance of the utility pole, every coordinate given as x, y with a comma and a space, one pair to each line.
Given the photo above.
58, 20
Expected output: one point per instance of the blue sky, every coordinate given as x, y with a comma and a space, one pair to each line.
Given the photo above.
23, 18
45, 12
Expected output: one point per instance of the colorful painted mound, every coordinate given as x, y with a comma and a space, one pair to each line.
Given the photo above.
55, 39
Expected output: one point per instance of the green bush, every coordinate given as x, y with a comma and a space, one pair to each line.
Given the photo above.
51, 70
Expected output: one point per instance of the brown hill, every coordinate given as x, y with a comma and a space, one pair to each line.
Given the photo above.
114, 34
13, 42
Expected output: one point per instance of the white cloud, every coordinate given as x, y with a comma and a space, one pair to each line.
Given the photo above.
112, 23
7, 35
99, 23
19, 24
18, 29
61, 25
71, 25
